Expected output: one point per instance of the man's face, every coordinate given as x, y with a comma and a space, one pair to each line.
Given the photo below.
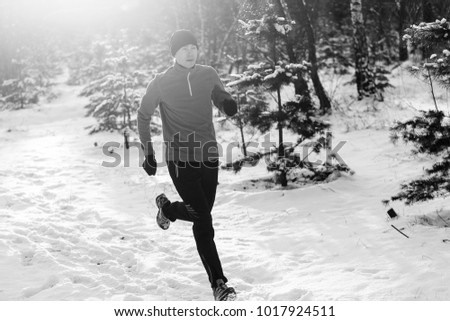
186, 56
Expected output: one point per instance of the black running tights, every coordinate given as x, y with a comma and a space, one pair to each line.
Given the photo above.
196, 184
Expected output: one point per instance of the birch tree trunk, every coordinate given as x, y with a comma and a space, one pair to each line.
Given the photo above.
365, 82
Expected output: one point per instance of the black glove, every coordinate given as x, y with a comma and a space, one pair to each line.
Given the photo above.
149, 165
230, 107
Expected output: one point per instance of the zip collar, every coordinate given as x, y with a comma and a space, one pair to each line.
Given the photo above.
186, 72
182, 69
189, 83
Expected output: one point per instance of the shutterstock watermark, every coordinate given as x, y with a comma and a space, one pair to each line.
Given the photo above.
194, 151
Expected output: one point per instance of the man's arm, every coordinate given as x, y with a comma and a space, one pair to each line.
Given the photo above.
149, 102
221, 98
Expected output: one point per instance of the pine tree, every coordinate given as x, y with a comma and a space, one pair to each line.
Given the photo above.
251, 103
117, 81
430, 131
298, 116
27, 88
115, 97
270, 32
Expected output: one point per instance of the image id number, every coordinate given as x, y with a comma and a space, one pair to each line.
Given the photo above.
299, 311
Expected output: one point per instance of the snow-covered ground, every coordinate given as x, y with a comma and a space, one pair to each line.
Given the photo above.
72, 229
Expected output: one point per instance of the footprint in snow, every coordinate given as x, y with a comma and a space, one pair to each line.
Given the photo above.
48, 284
27, 257
49, 195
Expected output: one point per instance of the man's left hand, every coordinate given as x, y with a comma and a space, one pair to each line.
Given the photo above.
230, 107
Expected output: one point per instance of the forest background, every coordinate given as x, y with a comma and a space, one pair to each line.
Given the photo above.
130, 37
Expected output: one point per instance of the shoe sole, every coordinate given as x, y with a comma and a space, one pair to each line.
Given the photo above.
162, 222
230, 295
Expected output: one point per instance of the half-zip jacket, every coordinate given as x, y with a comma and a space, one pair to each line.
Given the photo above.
185, 97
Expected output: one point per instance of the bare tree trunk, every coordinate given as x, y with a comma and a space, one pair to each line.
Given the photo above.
427, 11
285, 8
379, 46
241, 127
427, 16
328, 148
224, 41
228, 33
281, 151
365, 82
243, 47
280, 125
403, 50
325, 104
300, 85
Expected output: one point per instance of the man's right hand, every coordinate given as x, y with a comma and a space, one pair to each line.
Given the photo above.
149, 165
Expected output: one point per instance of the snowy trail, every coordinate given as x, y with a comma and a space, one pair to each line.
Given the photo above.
72, 229
58, 232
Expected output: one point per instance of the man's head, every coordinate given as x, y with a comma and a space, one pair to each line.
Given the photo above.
183, 46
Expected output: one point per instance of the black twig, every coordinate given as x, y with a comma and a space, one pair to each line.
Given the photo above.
432, 90
400, 231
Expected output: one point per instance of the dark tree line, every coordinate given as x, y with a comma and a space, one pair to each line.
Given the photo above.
324, 30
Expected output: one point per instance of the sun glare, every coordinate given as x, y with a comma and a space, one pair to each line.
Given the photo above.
65, 14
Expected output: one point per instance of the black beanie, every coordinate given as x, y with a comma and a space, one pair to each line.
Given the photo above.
181, 38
